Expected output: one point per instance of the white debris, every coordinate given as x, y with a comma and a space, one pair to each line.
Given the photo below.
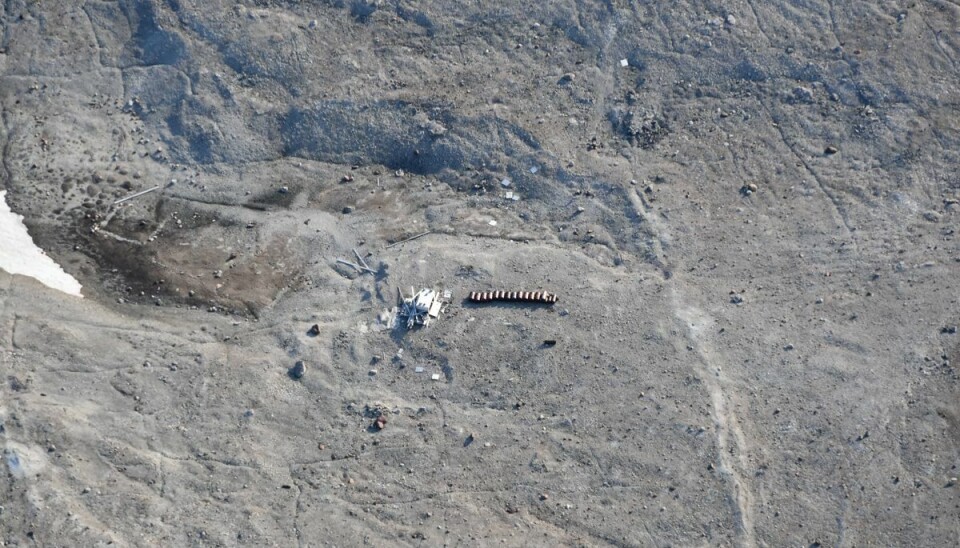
418, 369
505, 183
534, 169
435, 376
492, 223
624, 63
420, 309
509, 195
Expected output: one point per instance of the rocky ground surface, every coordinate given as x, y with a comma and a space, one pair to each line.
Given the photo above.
747, 209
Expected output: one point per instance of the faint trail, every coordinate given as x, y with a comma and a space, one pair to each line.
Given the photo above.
731, 441
939, 43
4, 295
756, 16
825, 188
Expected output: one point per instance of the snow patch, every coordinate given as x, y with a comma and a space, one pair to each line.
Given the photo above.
19, 255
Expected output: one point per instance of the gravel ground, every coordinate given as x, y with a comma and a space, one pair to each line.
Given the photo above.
748, 213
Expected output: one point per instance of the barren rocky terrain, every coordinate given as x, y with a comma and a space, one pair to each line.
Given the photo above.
748, 210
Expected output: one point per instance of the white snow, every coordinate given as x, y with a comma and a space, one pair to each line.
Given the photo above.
19, 255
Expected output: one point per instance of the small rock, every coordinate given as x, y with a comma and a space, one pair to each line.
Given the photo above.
803, 94
831, 150
381, 422
932, 216
949, 330
736, 298
314, 330
731, 20
788, 347
313, 24
567, 78
218, 274
544, 496
505, 183
297, 371
347, 210
752, 187
283, 190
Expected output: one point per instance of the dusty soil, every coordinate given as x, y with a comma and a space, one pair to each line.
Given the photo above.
748, 212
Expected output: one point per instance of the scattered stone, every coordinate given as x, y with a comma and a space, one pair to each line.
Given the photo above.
297, 371
313, 24
544, 496
624, 63
831, 150
788, 347
550, 342
381, 422
949, 330
347, 210
314, 330
736, 298
505, 183
731, 20
567, 78
803, 94
283, 190
931, 216
346, 179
